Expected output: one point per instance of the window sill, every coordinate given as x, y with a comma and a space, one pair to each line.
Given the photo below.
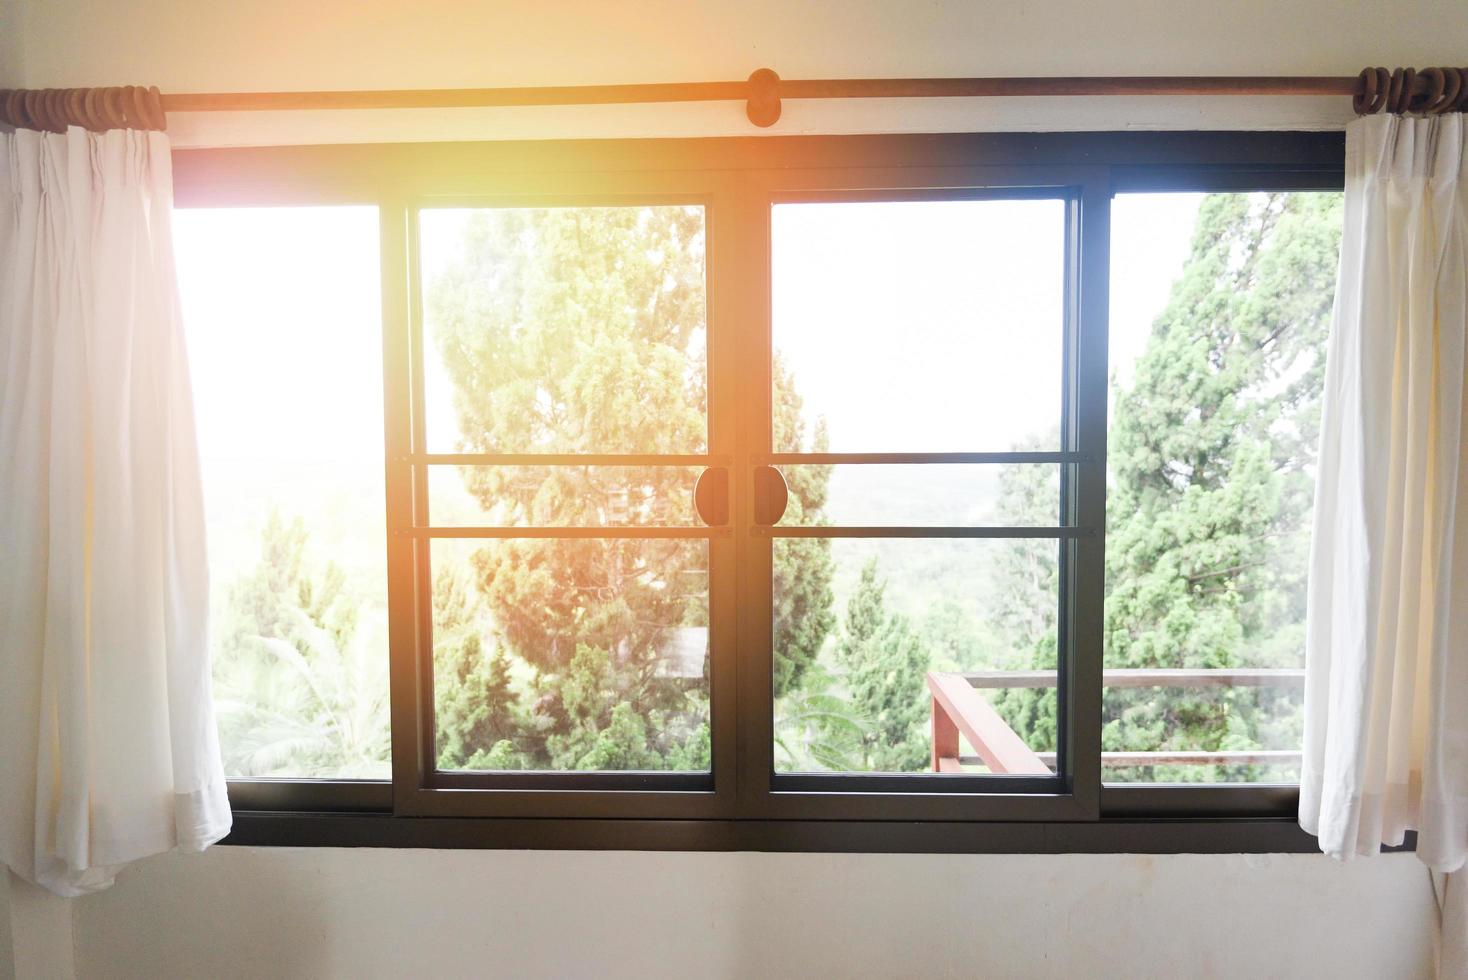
1139, 835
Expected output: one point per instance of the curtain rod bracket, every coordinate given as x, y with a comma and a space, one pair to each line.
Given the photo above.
763, 108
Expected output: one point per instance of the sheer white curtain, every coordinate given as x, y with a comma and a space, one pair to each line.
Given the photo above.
1386, 695
108, 749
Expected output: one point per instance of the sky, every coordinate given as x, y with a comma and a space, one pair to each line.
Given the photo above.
931, 326
282, 317
282, 321
937, 326
1150, 237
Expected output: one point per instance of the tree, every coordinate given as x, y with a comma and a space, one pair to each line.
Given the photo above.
300, 689
475, 705
886, 669
816, 728
579, 330
803, 569
1026, 590
1211, 451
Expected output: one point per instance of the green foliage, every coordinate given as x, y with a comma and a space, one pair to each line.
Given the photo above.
475, 704
299, 689
1026, 588
1211, 455
581, 331
694, 754
816, 729
571, 329
886, 669
577, 330
803, 569
1210, 452
596, 729
501, 756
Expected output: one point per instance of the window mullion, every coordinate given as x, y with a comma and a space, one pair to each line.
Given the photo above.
1088, 282
750, 372
409, 753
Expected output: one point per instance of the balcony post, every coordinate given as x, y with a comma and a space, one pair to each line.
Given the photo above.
945, 737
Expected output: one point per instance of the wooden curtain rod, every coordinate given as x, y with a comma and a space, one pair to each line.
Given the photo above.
800, 88
1374, 89
1430, 90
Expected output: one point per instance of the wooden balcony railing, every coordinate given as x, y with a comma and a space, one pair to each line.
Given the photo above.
960, 710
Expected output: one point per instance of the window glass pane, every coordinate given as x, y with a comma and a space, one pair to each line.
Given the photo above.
927, 494
571, 654
562, 496
918, 326
567, 330
865, 627
564, 330
1220, 310
281, 309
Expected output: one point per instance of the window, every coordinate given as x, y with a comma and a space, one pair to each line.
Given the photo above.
1220, 310
930, 331
571, 338
292, 468
736, 493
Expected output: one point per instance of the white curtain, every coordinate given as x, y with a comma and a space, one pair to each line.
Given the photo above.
108, 748
1386, 693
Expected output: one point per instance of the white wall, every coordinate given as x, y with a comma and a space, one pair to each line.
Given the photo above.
363, 913
12, 70
7, 932
217, 45
262, 912
35, 936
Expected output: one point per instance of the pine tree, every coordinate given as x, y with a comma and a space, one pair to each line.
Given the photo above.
475, 706
886, 668
1026, 590
802, 616
1211, 453
300, 690
574, 331
579, 331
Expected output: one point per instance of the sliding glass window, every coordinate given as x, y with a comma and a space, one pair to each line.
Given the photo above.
1220, 310
919, 453
284, 336
565, 393
762, 484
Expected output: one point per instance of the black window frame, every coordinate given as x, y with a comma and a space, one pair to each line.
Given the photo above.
1071, 794
744, 805
419, 787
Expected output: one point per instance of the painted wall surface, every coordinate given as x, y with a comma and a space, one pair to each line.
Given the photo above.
12, 69
216, 45
274, 45
7, 931
35, 938
279, 912
246, 912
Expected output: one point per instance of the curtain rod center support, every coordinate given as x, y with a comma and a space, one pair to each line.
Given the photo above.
763, 108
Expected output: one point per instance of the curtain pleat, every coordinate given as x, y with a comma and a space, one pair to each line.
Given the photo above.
108, 747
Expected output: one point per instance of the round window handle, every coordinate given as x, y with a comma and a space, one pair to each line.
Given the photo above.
770, 495
711, 496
